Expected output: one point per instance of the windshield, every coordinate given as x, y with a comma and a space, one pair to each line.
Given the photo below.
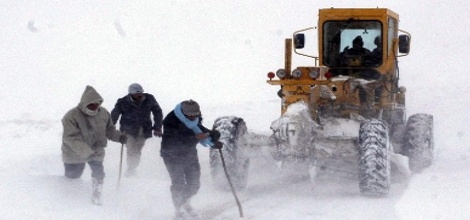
352, 43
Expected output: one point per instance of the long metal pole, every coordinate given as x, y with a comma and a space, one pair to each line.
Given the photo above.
120, 166
240, 210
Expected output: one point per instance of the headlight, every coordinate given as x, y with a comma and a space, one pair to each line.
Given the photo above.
281, 73
314, 73
296, 73
402, 89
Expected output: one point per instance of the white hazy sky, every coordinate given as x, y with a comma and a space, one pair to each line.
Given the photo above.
217, 53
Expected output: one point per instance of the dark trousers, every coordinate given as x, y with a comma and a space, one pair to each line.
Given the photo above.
75, 170
185, 173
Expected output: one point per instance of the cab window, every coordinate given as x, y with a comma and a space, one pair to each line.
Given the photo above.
352, 43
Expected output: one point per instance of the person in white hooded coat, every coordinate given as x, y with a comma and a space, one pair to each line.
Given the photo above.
86, 129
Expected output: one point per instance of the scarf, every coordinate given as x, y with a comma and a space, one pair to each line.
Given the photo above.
192, 125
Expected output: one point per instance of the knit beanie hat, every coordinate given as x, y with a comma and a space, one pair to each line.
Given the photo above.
135, 88
190, 108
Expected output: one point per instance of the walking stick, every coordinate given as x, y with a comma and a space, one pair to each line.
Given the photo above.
240, 210
120, 166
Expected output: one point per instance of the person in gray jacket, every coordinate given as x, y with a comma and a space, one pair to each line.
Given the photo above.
86, 129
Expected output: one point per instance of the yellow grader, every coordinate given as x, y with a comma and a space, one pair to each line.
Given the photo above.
346, 105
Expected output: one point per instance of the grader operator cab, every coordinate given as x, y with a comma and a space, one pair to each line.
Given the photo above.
347, 105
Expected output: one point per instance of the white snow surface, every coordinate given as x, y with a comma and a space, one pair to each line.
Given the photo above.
217, 53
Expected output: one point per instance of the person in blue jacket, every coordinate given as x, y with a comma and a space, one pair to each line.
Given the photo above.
182, 131
135, 110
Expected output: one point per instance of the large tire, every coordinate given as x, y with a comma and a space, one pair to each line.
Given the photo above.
419, 141
374, 161
232, 133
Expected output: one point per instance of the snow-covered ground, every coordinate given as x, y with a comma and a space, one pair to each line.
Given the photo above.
218, 54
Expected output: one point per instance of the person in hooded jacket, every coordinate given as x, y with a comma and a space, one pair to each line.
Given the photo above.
182, 131
135, 110
375, 57
357, 47
86, 130
354, 56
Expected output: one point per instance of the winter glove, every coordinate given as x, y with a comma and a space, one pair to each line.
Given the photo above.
158, 132
123, 139
202, 136
214, 135
218, 145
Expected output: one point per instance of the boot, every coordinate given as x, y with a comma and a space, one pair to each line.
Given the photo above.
97, 189
189, 210
130, 173
179, 215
